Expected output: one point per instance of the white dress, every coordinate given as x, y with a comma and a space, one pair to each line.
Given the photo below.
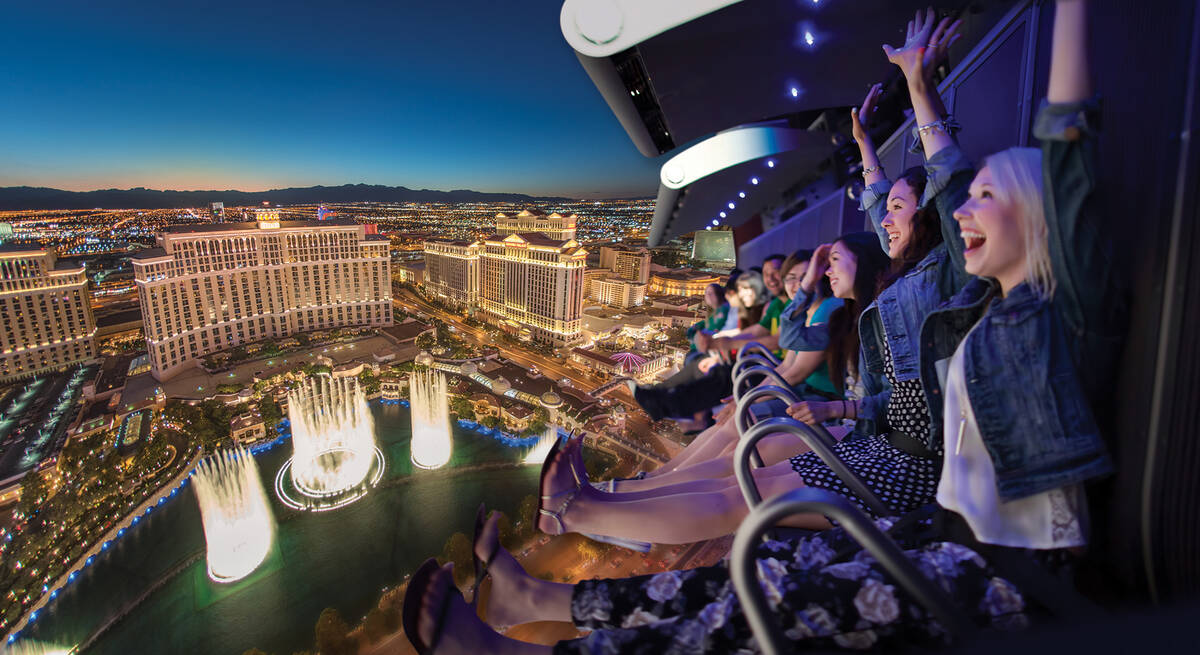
1051, 519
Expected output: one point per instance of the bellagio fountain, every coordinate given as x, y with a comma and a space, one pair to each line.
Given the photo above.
238, 525
335, 459
431, 442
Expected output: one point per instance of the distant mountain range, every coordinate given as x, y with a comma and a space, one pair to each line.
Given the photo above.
25, 197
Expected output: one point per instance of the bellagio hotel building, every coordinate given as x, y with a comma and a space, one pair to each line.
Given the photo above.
46, 319
207, 288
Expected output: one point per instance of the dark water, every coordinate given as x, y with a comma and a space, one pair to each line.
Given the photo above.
340, 559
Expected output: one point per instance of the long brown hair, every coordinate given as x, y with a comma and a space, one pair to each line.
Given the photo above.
871, 265
926, 231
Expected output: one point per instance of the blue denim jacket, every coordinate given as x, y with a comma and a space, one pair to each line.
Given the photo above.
795, 335
1027, 358
899, 310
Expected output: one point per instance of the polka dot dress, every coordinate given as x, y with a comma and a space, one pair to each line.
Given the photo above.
902, 481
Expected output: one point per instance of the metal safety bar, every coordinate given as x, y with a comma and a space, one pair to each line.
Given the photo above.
741, 412
741, 417
821, 444
743, 566
740, 378
752, 359
753, 346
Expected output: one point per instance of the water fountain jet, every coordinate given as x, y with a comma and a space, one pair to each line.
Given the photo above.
238, 525
335, 458
430, 419
537, 454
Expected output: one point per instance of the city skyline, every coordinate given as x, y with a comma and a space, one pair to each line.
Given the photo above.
246, 97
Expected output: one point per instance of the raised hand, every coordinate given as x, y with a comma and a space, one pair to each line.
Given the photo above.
925, 46
938, 49
911, 55
817, 265
860, 117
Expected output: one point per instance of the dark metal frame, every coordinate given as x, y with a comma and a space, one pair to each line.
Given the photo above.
891, 558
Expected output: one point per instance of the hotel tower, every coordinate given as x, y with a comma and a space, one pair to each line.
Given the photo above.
206, 288
45, 314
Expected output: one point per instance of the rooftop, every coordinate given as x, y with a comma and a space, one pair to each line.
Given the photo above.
150, 253
407, 330
685, 274
235, 227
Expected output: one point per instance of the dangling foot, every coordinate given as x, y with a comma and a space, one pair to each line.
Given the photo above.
444, 621
558, 487
513, 594
482, 560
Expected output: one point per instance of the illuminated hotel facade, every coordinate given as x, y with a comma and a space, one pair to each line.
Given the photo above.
45, 313
452, 271
532, 275
207, 288
627, 263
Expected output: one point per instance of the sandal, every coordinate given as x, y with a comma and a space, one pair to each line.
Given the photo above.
567, 495
481, 566
580, 477
413, 607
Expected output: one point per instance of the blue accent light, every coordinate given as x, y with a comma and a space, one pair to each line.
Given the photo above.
754, 180
770, 163
731, 205
808, 38
795, 92
741, 194
722, 214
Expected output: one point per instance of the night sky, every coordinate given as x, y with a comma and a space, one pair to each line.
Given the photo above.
252, 95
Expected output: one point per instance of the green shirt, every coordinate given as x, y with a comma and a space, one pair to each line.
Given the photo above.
770, 317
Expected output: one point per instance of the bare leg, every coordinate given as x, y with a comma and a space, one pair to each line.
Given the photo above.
461, 631
773, 449
515, 597
680, 517
706, 445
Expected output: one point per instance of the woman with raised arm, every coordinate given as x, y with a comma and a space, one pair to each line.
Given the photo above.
1020, 335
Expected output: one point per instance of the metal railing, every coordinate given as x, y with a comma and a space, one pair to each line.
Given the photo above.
743, 565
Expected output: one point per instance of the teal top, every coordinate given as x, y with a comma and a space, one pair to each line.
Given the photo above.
819, 379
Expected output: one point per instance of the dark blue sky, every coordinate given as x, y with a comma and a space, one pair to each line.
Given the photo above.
481, 94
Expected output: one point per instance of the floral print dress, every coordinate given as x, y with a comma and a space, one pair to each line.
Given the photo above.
825, 591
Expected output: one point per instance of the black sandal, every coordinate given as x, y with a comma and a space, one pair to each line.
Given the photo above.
569, 493
481, 566
411, 615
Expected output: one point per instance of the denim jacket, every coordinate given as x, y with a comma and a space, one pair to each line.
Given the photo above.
1033, 364
899, 310
795, 335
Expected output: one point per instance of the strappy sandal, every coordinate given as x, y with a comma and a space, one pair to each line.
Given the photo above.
413, 607
567, 495
580, 477
481, 566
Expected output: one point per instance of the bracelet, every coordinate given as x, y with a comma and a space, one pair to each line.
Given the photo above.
844, 410
947, 125
868, 171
